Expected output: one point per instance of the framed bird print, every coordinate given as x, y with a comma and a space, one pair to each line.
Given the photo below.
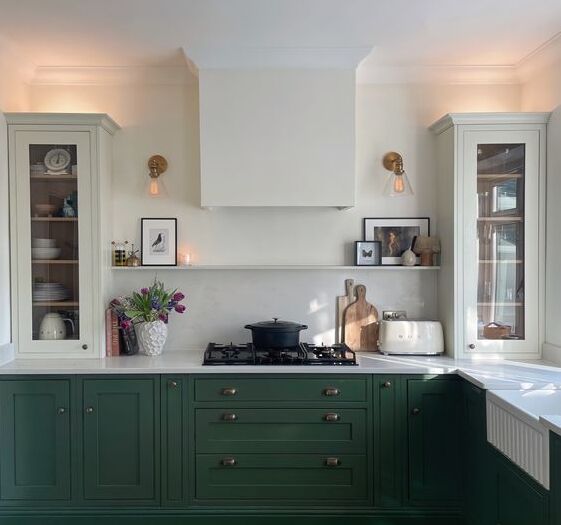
158, 242
368, 253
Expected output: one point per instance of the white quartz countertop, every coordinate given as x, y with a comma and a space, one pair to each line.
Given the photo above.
484, 374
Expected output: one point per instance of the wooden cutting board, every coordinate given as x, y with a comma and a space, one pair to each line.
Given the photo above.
342, 303
360, 322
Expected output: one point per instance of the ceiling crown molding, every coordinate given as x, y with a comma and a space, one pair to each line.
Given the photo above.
428, 74
112, 75
544, 56
277, 57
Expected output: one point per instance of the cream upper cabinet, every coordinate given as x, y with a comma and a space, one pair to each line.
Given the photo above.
59, 211
492, 224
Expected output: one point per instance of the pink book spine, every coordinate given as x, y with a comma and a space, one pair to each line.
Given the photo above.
108, 331
115, 350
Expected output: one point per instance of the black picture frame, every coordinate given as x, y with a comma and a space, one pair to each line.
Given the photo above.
152, 260
377, 253
394, 222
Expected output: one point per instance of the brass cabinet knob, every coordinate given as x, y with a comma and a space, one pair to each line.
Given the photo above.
89, 410
61, 410
387, 384
332, 462
228, 462
331, 416
172, 383
415, 411
229, 417
229, 391
331, 392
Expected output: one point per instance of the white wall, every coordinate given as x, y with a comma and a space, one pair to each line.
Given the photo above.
164, 119
13, 97
543, 93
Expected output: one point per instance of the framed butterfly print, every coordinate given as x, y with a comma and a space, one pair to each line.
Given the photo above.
159, 242
368, 253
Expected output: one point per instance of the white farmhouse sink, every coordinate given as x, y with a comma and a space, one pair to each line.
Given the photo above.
514, 427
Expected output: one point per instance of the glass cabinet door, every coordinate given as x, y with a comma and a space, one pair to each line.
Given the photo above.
501, 251
53, 189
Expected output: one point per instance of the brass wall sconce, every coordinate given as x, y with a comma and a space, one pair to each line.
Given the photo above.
398, 184
157, 165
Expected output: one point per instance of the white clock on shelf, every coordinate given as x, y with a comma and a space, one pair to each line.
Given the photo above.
57, 160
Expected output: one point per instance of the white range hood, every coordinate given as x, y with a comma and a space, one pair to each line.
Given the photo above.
277, 127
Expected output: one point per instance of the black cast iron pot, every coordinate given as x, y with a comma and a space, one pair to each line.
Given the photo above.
275, 334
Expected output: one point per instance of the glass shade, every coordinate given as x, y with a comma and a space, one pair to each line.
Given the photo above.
398, 185
156, 187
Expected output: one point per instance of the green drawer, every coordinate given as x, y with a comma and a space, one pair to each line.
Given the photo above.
301, 390
261, 430
280, 479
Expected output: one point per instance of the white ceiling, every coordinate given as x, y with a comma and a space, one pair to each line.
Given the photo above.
153, 32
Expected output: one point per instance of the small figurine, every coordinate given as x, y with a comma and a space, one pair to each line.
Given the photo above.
132, 259
67, 209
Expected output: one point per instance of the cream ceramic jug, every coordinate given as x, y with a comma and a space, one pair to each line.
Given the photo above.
52, 327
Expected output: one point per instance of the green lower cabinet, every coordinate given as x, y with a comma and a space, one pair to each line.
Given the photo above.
433, 430
121, 440
281, 479
520, 500
270, 430
389, 440
555, 478
35, 440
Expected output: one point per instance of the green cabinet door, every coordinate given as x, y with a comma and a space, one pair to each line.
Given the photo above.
520, 500
35, 440
389, 440
555, 478
434, 413
121, 439
479, 489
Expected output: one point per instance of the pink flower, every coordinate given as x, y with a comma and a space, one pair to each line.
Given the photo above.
179, 308
178, 296
126, 325
144, 291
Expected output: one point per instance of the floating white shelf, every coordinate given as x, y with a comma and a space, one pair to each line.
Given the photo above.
274, 267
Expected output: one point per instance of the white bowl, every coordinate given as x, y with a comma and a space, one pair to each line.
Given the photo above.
43, 243
45, 253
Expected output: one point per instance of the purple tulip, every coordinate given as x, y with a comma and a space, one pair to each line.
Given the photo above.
179, 308
163, 317
126, 324
178, 296
144, 291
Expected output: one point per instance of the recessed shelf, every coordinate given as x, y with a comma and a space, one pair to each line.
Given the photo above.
501, 261
54, 219
500, 176
54, 261
513, 218
54, 177
500, 304
274, 267
55, 303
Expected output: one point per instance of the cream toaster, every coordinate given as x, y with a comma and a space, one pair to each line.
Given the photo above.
407, 337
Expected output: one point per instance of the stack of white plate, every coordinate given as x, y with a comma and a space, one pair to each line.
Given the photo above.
49, 292
44, 249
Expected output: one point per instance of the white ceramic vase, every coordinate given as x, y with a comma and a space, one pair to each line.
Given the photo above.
152, 337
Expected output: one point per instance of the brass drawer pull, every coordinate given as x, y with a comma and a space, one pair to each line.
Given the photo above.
229, 391
387, 384
89, 410
332, 462
229, 462
60, 411
229, 417
415, 411
331, 392
173, 384
331, 416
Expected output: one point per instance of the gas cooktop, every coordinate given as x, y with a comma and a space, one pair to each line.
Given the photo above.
303, 354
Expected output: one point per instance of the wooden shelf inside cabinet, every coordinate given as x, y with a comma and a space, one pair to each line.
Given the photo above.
44, 178
56, 303
500, 304
275, 267
54, 219
54, 261
507, 218
499, 176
